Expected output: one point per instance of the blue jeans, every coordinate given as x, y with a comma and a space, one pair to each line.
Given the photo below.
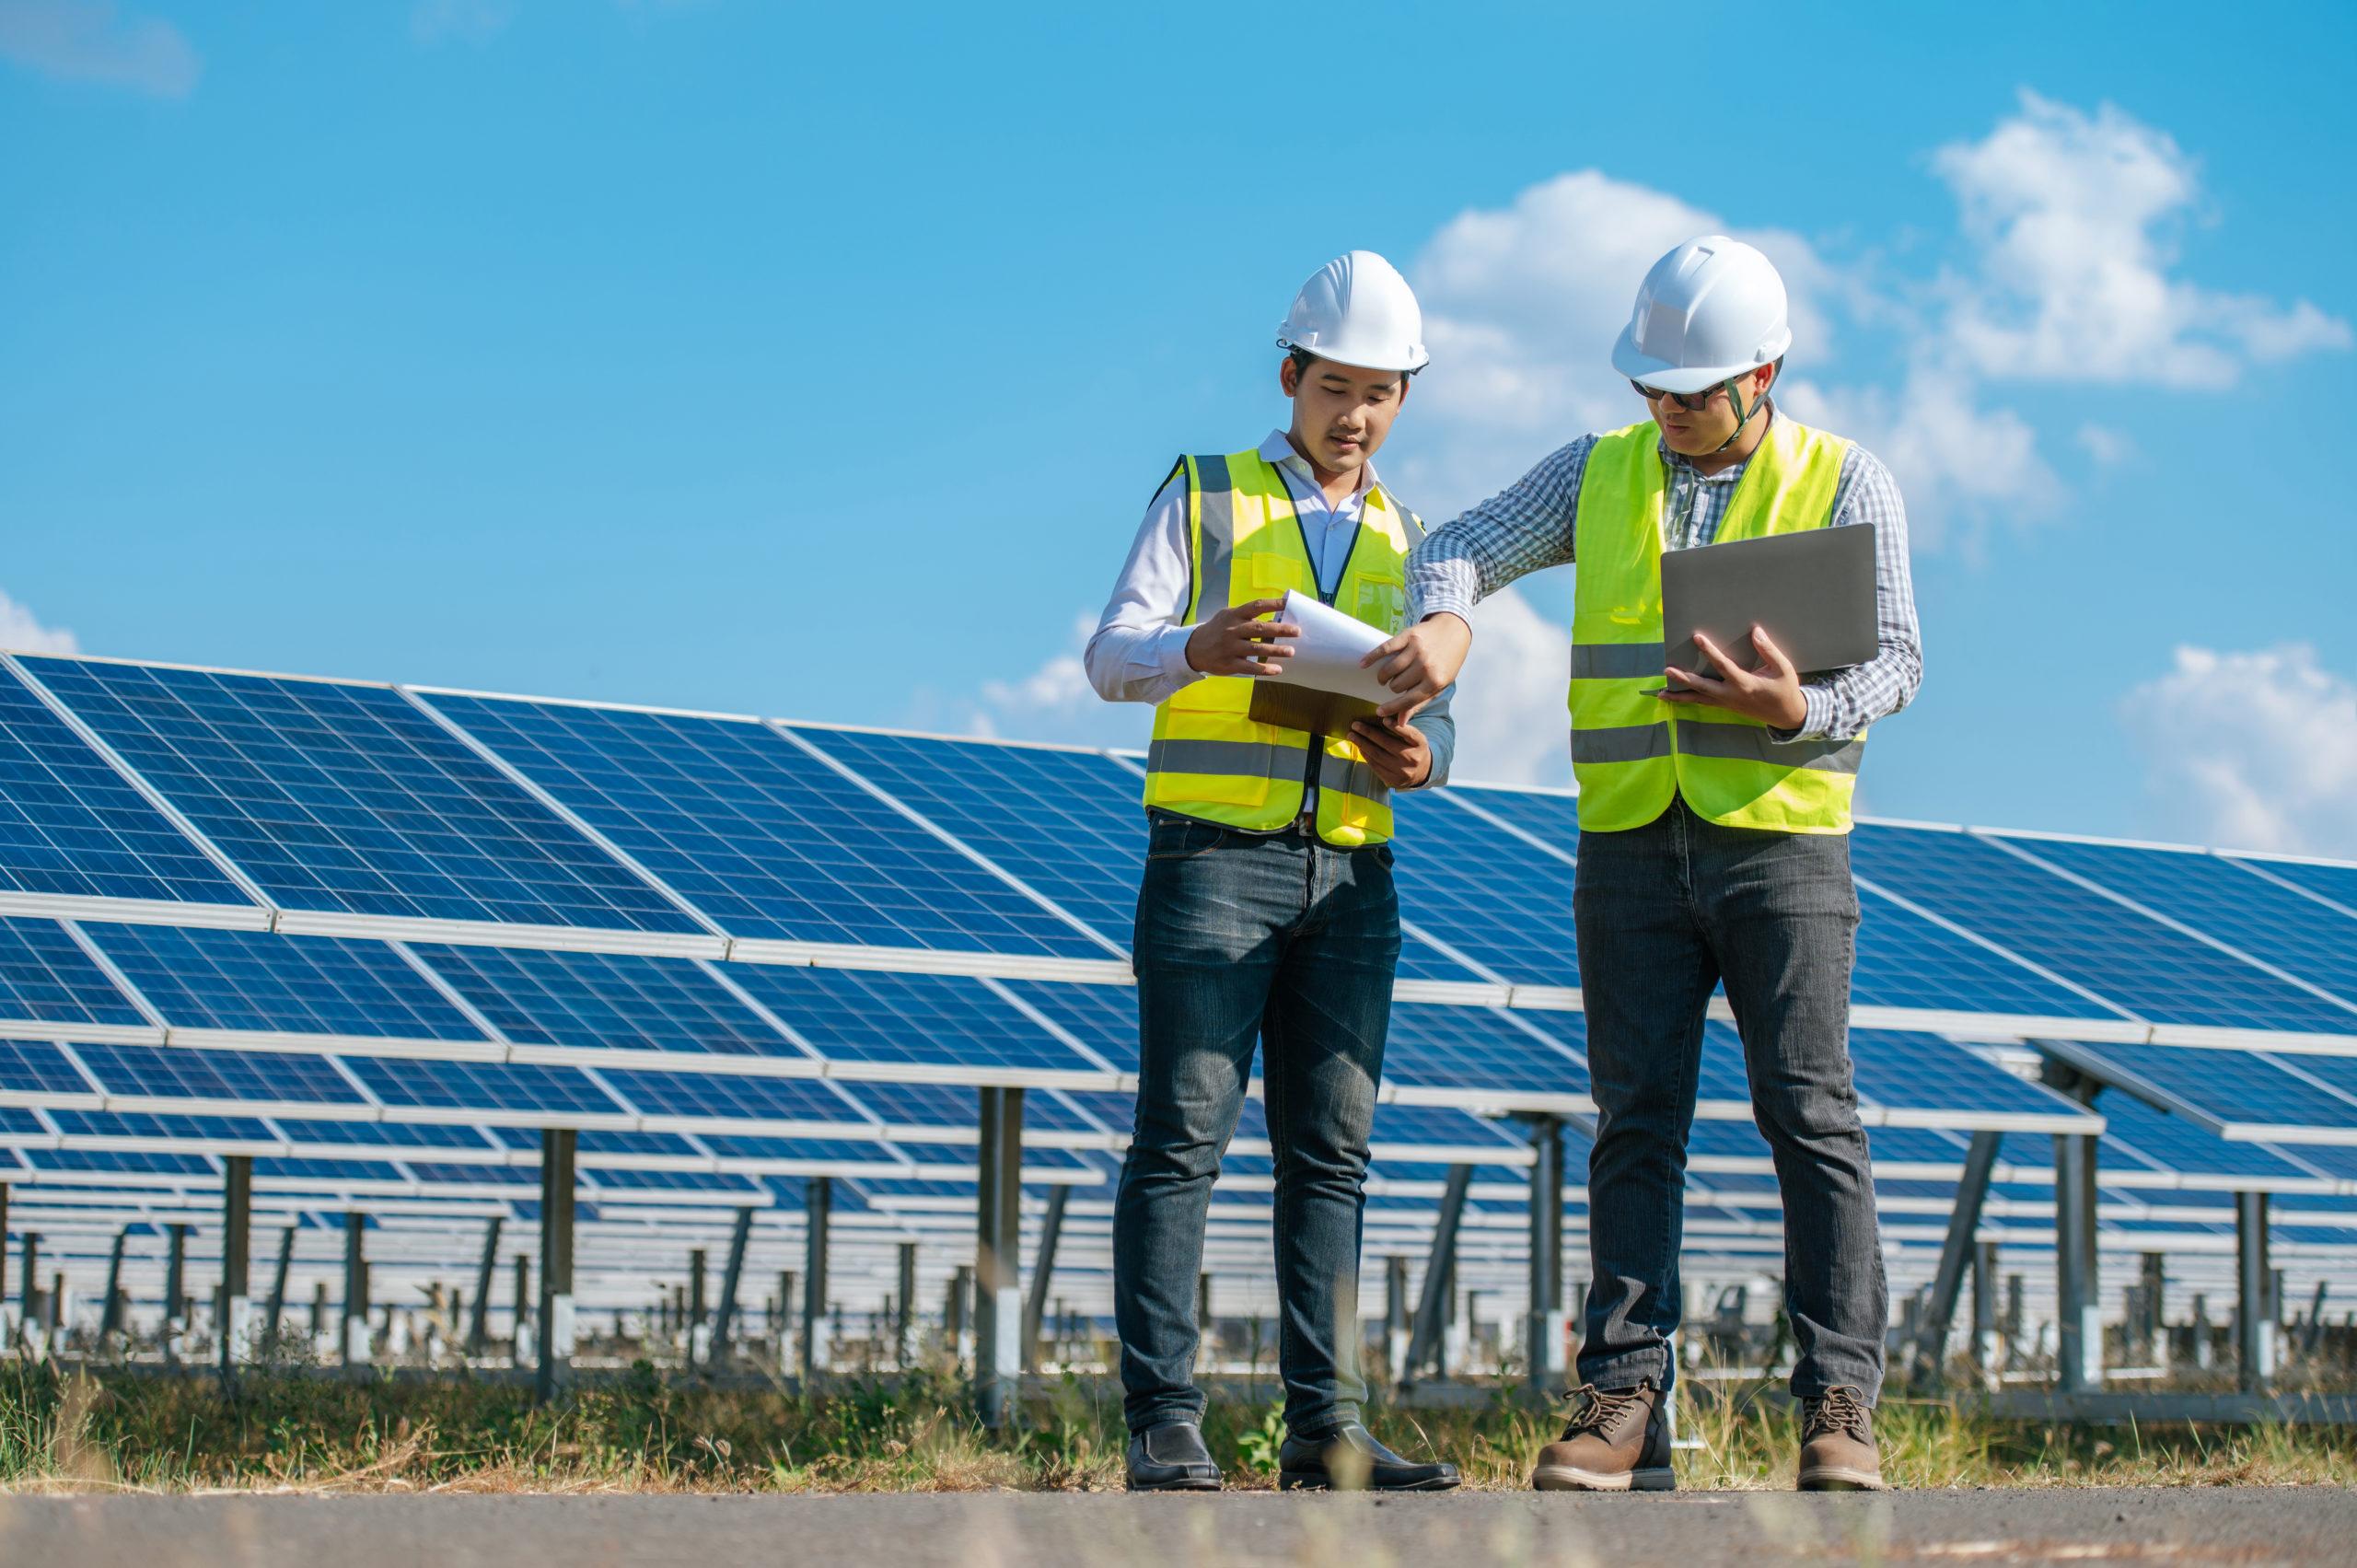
1665, 912
1283, 939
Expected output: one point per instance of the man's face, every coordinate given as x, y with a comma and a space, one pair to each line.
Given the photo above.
1702, 431
1341, 413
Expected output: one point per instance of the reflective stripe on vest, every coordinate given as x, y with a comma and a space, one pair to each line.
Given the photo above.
1632, 752
1208, 758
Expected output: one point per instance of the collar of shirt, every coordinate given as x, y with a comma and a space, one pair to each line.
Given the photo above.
1278, 450
1678, 466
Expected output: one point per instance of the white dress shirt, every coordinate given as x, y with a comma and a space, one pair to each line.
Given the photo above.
1139, 650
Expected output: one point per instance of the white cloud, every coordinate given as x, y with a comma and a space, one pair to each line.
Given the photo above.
2252, 751
92, 40
1955, 461
1521, 306
2105, 445
1054, 702
1512, 723
2073, 218
20, 633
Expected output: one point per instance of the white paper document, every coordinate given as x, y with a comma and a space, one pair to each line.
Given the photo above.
1326, 656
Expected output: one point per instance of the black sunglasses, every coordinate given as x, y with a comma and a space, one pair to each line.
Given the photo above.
1693, 403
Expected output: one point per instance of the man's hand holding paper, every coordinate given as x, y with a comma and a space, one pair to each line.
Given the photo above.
1322, 684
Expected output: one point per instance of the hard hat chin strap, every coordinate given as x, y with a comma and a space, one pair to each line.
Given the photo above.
1742, 414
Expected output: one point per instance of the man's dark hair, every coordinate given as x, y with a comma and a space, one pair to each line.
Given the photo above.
1303, 359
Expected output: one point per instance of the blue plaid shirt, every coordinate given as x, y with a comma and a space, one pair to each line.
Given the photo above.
1529, 526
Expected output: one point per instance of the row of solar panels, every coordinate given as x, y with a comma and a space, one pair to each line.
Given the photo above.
197, 796
69, 1136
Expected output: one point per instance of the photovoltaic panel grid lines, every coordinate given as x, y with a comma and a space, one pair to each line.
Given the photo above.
345, 798
762, 836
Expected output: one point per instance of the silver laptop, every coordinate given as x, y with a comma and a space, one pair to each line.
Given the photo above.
1813, 591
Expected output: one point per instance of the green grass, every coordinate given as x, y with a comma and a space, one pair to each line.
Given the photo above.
297, 1429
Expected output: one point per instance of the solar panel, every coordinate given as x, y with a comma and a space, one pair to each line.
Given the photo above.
484, 1088
1554, 820
955, 1107
1922, 1072
18, 1123
2322, 879
124, 1162
684, 1098
253, 1077
45, 977
1905, 960
2113, 951
260, 982
603, 1142
2221, 898
605, 1001
2223, 1087
2141, 1138
71, 826
344, 798
36, 1067
162, 1127
804, 1151
763, 838
1477, 1049
1065, 820
851, 1015
392, 1136
1484, 892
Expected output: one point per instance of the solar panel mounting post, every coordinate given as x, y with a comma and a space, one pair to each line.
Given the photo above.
1044, 1269
724, 1317
1544, 1326
699, 1324
175, 1285
356, 1294
1984, 1309
1431, 1308
2254, 1314
905, 1337
478, 1323
111, 1310
2078, 1309
236, 1260
559, 1146
1931, 1347
278, 1284
817, 1332
998, 1245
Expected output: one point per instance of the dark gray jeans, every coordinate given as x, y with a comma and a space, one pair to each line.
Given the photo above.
1290, 942
1665, 912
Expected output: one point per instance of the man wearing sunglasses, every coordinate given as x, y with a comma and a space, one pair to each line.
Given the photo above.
1714, 810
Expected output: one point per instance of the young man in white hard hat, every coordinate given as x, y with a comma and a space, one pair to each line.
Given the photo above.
1713, 814
1267, 909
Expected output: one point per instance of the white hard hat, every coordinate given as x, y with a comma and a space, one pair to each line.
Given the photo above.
1710, 310
1357, 310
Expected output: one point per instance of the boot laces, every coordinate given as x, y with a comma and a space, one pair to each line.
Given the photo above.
1604, 1407
1837, 1409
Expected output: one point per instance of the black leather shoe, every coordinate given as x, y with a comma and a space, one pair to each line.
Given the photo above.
1350, 1452
1172, 1458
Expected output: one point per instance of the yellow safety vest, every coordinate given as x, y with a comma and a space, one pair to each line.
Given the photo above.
1209, 759
1632, 752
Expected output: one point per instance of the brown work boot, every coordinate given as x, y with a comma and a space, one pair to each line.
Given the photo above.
1838, 1444
1618, 1442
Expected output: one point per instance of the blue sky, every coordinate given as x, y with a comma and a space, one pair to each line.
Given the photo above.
749, 357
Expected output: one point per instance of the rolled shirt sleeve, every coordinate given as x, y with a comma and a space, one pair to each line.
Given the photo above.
1522, 528
1138, 653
